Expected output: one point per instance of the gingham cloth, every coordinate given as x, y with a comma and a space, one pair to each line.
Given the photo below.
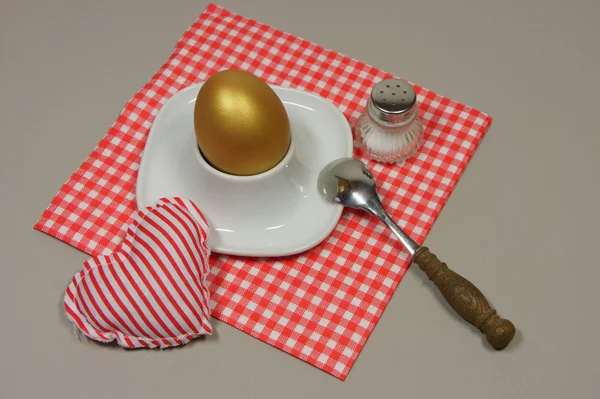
320, 306
151, 292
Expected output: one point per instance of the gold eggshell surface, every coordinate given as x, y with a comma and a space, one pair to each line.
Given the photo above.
241, 125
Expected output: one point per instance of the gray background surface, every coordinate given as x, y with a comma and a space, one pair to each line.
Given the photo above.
522, 224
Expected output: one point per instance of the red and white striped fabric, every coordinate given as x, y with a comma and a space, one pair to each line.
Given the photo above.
151, 292
322, 305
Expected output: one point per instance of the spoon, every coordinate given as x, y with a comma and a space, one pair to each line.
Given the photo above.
349, 182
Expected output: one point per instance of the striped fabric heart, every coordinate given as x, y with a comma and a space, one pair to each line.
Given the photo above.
152, 291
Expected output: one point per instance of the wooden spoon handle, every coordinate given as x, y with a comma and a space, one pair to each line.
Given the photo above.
466, 299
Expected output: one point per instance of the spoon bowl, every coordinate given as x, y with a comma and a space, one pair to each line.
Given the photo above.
348, 182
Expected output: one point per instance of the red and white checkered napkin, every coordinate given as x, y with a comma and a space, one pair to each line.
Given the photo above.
151, 292
320, 306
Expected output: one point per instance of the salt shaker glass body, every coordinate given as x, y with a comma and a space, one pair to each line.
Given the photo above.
389, 130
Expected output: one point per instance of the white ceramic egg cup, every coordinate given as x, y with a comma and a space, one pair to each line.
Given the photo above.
275, 213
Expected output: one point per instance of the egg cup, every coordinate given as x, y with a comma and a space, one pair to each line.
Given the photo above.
275, 213
278, 184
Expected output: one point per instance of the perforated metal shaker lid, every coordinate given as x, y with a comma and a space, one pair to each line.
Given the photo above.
393, 101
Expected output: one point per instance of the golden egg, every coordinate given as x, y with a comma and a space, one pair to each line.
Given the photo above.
242, 127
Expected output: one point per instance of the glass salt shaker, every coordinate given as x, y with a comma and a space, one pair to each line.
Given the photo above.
389, 130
